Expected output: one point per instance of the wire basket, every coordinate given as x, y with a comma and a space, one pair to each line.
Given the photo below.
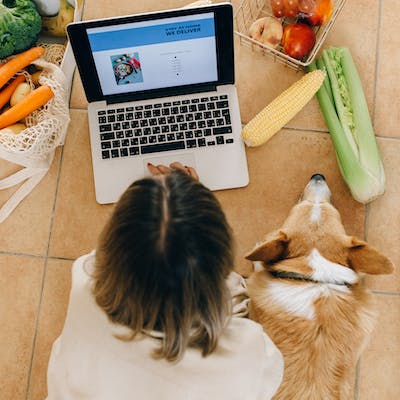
250, 10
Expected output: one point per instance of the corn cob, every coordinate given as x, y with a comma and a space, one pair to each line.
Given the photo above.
281, 110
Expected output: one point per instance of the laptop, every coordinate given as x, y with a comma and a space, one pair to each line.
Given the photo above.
160, 88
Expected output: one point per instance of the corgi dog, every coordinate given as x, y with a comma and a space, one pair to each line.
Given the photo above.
307, 294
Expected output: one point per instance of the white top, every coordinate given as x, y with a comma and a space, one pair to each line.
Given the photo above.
88, 362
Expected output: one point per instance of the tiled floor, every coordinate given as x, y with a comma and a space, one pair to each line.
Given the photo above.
60, 220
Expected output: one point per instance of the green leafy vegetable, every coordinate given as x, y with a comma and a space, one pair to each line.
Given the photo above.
20, 25
345, 109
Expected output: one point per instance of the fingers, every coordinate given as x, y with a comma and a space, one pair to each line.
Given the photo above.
157, 170
187, 170
164, 170
192, 172
178, 165
153, 169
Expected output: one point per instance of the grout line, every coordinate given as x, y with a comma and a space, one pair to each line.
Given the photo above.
12, 253
36, 331
357, 380
377, 48
316, 130
367, 207
78, 109
43, 278
387, 137
55, 200
383, 293
60, 258
293, 128
366, 221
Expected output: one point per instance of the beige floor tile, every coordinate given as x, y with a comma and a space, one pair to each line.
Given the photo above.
20, 290
350, 32
27, 229
380, 362
387, 118
78, 98
105, 8
384, 218
78, 219
260, 80
51, 321
279, 171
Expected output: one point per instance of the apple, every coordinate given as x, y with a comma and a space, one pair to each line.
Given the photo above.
267, 30
298, 40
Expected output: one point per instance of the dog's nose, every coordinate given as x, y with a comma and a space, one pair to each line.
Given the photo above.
318, 177
317, 190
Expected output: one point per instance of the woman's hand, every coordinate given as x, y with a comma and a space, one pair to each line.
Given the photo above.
164, 170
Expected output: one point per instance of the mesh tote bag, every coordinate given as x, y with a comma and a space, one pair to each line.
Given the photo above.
33, 148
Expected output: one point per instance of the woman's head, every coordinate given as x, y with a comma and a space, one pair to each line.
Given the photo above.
162, 262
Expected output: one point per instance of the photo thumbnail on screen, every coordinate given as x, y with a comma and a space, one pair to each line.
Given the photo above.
127, 68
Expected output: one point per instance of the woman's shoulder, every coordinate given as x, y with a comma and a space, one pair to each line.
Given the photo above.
82, 309
82, 269
81, 283
244, 330
254, 340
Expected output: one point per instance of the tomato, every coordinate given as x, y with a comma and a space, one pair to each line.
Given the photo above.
323, 12
277, 8
298, 40
291, 8
307, 7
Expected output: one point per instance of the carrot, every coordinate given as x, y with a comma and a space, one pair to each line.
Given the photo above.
20, 61
31, 102
5, 94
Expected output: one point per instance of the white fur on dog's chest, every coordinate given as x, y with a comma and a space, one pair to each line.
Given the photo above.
299, 298
329, 272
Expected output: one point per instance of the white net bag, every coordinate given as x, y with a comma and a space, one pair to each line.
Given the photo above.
34, 147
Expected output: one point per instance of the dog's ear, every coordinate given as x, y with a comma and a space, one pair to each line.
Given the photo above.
364, 258
272, 248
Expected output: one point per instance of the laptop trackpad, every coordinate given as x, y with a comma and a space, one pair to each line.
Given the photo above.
184, 159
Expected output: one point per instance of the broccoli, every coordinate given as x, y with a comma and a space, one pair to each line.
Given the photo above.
20, 25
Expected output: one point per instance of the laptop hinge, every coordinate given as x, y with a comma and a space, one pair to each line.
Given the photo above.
179, 91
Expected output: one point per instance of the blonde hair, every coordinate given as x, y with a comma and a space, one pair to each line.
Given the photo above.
162, 262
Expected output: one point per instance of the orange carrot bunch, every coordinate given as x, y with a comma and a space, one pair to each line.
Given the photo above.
32, 101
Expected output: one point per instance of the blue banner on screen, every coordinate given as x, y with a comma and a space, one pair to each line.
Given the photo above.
155, 54
152, 34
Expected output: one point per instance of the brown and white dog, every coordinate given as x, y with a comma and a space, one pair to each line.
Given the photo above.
309, 298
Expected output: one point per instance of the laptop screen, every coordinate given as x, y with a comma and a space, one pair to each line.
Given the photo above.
155, 54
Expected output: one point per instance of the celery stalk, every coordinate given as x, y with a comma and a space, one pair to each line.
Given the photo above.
321, 65
344, 114
345, 110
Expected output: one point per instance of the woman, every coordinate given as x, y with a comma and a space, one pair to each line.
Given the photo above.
151, 314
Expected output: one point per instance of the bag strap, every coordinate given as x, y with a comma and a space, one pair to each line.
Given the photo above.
32, 175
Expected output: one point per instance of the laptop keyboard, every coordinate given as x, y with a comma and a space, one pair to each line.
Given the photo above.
165, 126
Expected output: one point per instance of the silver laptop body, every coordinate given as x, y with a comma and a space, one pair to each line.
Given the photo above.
160, 88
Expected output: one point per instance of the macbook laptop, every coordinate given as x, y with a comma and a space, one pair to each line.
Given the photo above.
160, 88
